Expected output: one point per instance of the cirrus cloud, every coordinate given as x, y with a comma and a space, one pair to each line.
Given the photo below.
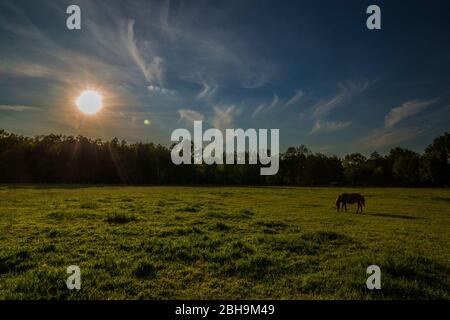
17, 108
190, 115
347, 91
406, 110
329, 126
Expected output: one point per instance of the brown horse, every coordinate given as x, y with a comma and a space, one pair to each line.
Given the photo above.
350, 198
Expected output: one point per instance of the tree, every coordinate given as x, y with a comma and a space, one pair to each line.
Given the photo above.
435, 164
379, 168
292, 165
68, 159
354, 168
405, 167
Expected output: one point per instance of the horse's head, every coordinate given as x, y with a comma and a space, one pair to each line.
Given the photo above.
338, 203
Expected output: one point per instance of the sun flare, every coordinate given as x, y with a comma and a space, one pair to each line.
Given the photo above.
89, 102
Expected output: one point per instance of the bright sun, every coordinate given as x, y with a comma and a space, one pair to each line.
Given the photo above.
89, 102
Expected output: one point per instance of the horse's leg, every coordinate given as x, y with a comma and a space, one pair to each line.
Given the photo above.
345, 207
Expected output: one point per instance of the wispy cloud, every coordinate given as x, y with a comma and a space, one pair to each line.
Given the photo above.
406, 110
207, 90
17, 108
390, 134
265, 108
328, 126
296, 97
255, 72
277, 102
26, 69
223, 117
158, 89
258, 109
386, 137
347, 91
274, 103
190, 115
152, 70
323, 108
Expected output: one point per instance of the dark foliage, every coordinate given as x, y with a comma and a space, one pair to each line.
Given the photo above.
68, 159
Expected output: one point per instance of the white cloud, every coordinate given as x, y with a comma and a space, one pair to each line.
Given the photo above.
347, 91
152, 71
153, 88
328, 126
385, 137
406, 110
255, 72
297, 96
258, 109
17, 108
266, 108
207, 90
391, 135
190, 115
274, 103
223, 117
26, 69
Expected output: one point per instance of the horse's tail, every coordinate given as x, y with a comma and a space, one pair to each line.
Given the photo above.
363, 201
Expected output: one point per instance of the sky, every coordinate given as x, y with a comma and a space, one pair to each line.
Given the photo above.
309, 68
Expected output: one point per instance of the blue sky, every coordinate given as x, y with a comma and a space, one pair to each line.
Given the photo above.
310, 68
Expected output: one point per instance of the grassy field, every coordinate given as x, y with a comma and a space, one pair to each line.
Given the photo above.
222, 242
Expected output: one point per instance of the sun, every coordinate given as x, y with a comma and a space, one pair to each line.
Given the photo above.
89, 102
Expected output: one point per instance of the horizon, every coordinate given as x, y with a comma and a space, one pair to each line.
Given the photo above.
281, 152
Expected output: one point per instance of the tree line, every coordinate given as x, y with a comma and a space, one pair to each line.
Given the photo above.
80, 160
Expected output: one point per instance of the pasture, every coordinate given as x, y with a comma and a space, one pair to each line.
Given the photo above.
222, 243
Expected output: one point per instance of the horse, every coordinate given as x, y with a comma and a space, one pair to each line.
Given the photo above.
350, 198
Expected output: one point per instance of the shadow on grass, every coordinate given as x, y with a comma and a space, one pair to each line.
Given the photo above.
120, 218
445, 199
51, 186
390, 215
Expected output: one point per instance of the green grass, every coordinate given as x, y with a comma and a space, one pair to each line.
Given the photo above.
221, 242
